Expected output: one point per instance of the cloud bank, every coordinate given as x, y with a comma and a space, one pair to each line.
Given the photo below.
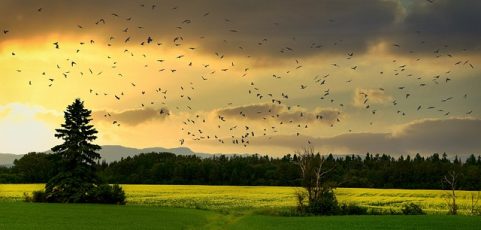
455, 136
271, 28
131, 117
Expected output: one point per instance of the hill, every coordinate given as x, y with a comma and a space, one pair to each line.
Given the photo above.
6, 159
111, 153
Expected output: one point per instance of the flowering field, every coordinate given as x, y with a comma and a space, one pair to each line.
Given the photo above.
261, 197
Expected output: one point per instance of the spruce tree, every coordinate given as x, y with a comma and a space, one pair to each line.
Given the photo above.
76, 158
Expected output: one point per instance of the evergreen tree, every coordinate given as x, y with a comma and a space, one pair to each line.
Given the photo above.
76, 157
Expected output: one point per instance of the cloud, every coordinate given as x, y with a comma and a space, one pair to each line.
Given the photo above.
22, 131
441, 135
364, 97
448, 25
265, 28
455, 136
19, 112
131, 117
280, 113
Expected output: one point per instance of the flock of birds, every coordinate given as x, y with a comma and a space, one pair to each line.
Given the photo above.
279, 109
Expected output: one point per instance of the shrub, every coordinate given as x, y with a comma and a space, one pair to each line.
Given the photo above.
101, 194
412, 209
301, 197
26, 197
107, 194
353, 209
325, 204
37, 196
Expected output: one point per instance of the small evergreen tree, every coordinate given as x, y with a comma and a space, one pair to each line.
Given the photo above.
76, 180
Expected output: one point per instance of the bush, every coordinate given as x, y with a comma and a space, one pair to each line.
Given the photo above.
412, 209
101, 194
37, 196
108, 194
301, 197
325, 204
353, 209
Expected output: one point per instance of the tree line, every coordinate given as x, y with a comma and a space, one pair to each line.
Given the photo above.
368, 171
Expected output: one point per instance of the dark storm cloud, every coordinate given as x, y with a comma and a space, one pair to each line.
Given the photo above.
261, 27
455, 136
131, 117
450, 135
447, 25
281, 113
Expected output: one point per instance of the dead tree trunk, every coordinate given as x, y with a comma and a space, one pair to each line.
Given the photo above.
451, 181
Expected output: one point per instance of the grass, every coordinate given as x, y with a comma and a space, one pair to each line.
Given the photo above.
358, 222
245, 197
20, 215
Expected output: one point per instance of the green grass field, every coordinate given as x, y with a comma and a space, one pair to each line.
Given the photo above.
20, 215
247, 197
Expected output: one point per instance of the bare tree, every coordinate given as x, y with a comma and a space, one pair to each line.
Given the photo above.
314, 171
451, 181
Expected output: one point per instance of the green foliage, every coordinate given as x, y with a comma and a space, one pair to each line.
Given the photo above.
8, 176
35, 167
412, 209
67, 188
37, 196
319, 189
301, 201
108, 194
325, 204
371, 171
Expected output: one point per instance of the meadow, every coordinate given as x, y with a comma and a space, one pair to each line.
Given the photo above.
242, 198
38, 216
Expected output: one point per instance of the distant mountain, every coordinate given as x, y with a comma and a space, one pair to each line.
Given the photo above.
112, 153
6, 159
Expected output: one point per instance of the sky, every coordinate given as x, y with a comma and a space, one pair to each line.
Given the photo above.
269, 77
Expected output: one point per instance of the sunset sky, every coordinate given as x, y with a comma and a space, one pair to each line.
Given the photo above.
269, 77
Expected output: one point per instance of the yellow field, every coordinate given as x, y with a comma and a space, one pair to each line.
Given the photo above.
246, 197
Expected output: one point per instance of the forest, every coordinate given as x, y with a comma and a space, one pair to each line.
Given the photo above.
355, 171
